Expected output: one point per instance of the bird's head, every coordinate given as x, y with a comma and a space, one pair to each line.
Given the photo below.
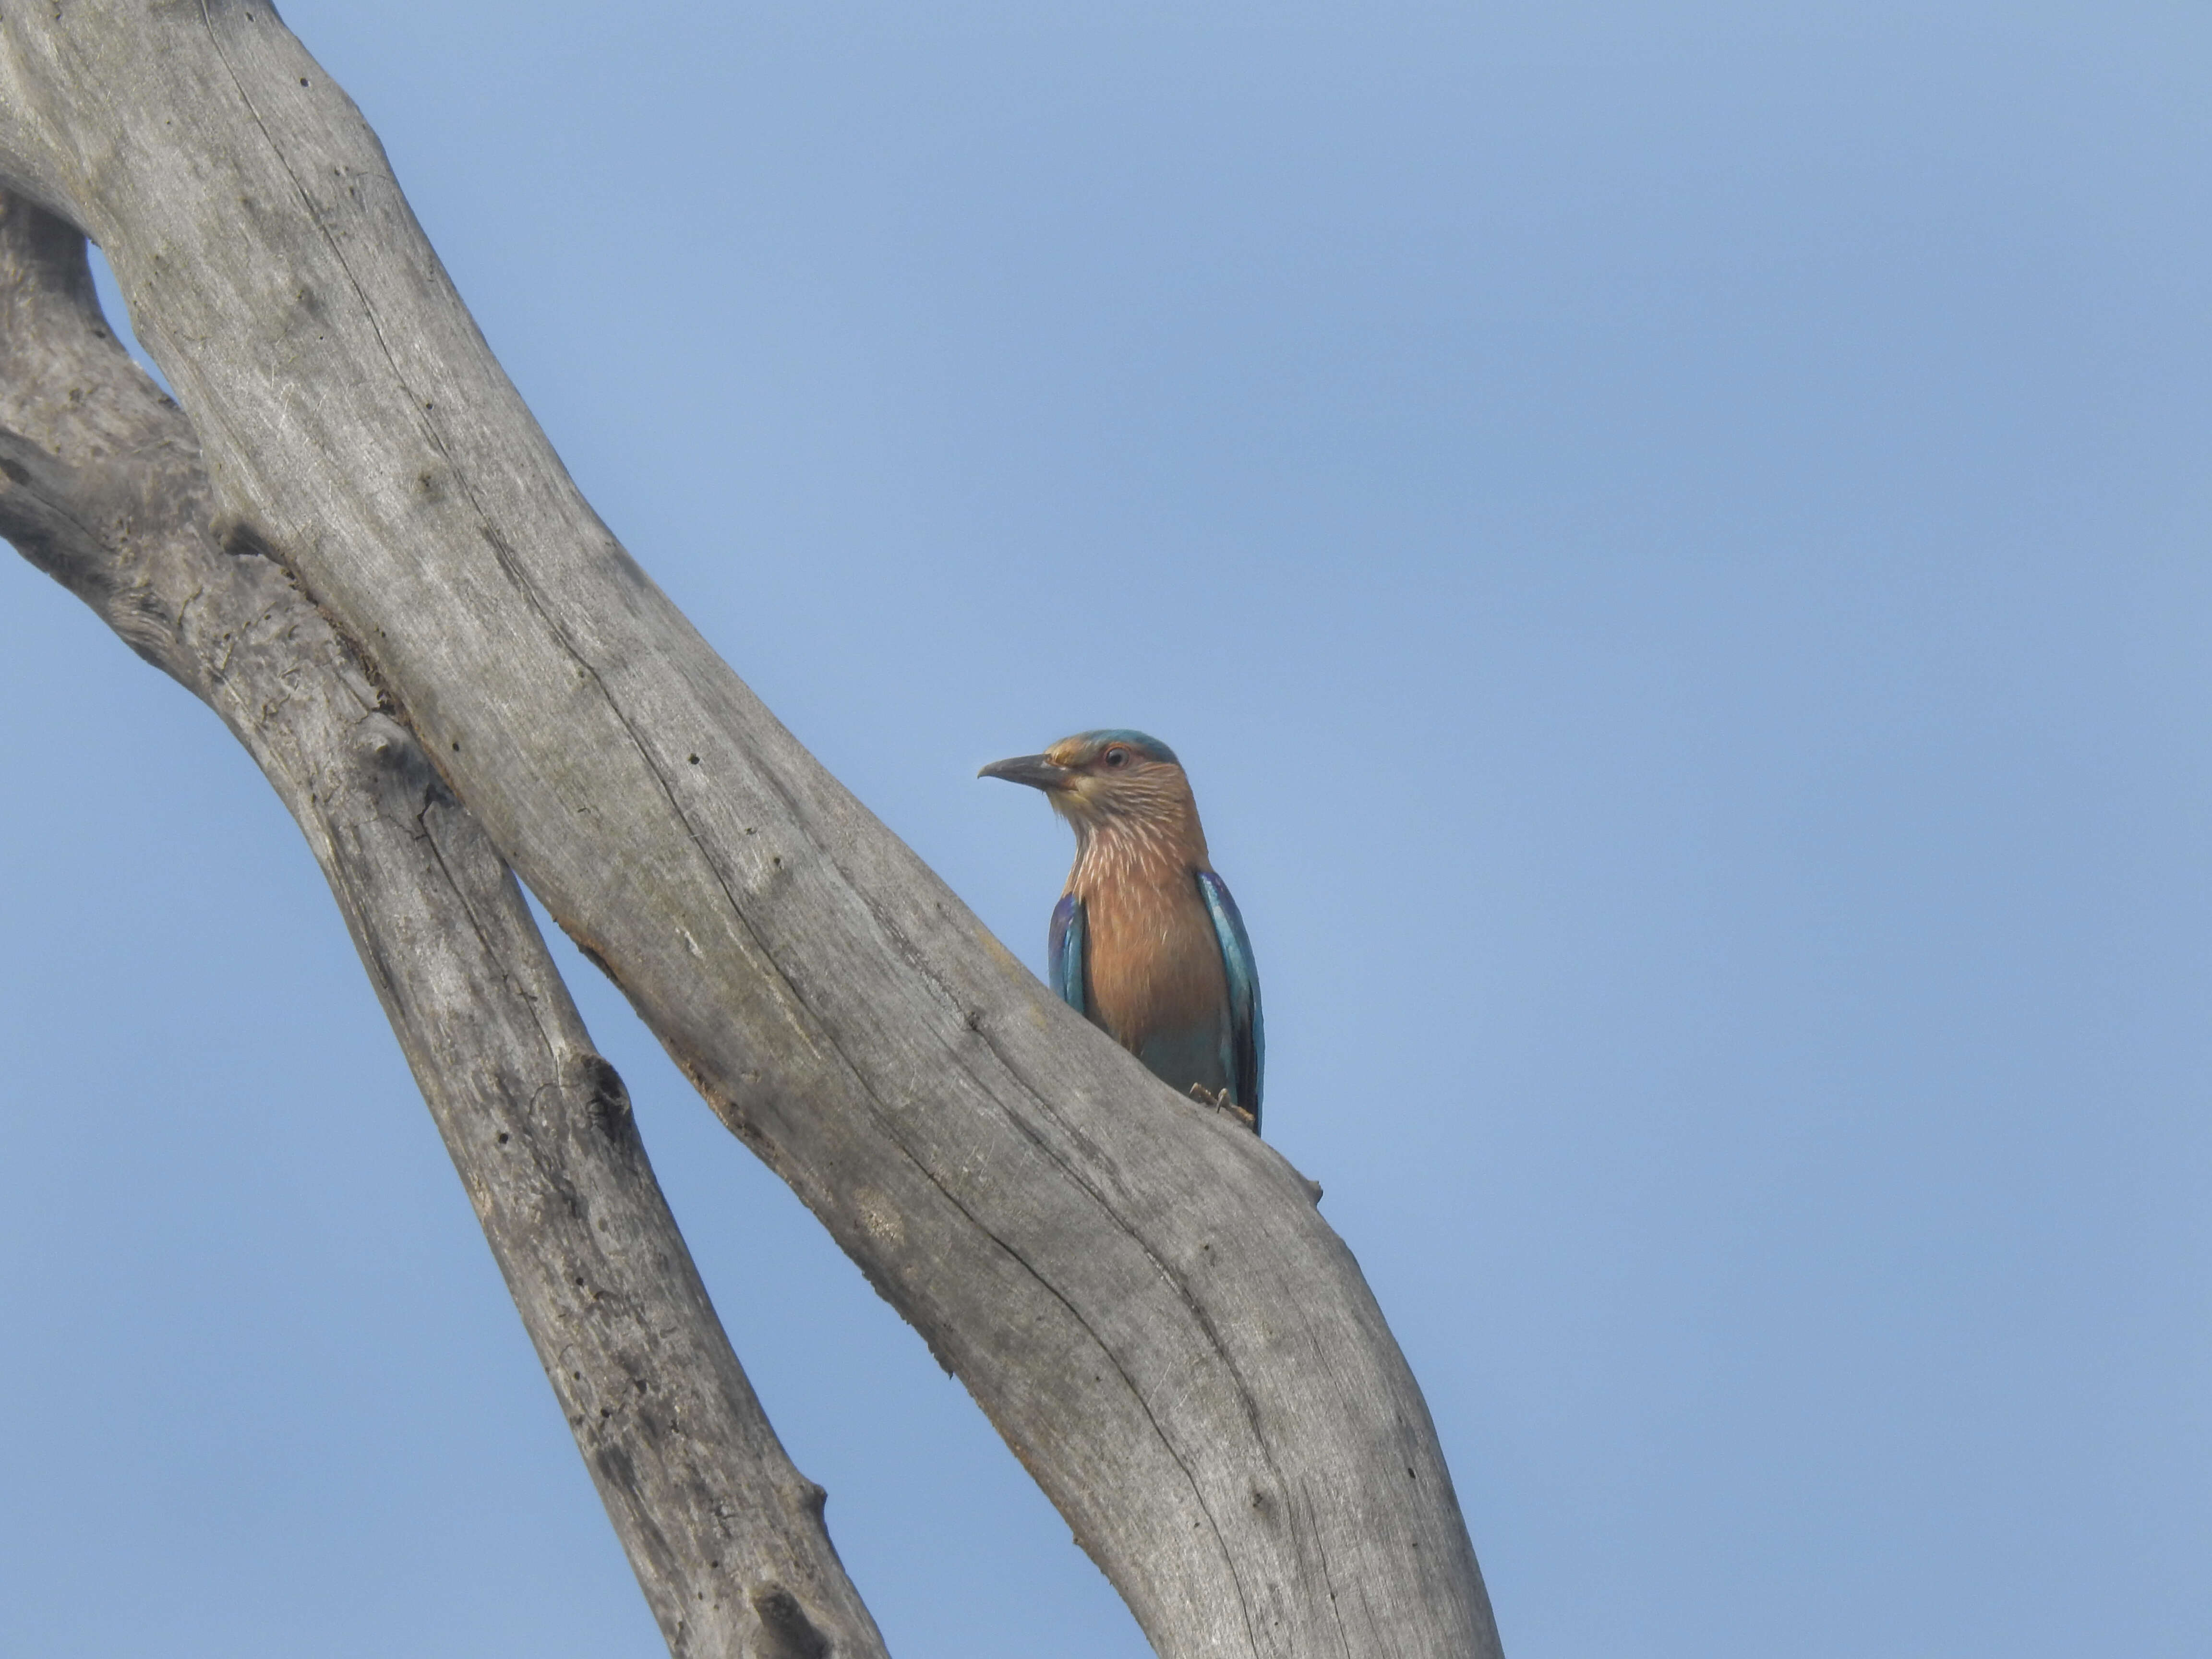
1095, 780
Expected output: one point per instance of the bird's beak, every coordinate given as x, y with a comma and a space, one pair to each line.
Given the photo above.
1035, 770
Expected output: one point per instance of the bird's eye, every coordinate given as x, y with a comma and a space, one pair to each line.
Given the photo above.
1117, 758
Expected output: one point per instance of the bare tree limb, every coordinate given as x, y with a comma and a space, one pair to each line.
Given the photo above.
101, 485
1141, 1295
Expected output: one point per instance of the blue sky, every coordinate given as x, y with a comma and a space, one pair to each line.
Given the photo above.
1672, 542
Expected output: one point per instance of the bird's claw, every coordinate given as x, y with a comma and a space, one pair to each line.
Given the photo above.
1219, 1100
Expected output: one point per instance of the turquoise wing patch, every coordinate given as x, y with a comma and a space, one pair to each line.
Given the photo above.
1247, 1036
1065, 952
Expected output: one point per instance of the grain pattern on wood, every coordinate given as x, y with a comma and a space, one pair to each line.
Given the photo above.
1139, 1293
101, 485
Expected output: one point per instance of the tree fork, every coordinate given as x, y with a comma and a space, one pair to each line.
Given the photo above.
1139, 1294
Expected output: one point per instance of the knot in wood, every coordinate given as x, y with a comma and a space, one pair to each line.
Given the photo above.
605, 1098
785, 1632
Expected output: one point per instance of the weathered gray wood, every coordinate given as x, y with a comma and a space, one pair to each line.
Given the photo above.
101, 485
1139, 1293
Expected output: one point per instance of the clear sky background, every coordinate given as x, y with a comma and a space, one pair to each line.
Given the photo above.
1673, 540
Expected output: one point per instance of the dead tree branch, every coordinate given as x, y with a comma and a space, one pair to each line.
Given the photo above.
1141, 1295
100, 486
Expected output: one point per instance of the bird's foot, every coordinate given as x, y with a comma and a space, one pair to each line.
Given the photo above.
1219, 1100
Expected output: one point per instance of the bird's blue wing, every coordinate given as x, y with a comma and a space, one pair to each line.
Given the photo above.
1247, 1036
1064, 953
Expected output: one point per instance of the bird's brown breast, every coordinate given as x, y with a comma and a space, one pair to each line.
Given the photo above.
1155, 964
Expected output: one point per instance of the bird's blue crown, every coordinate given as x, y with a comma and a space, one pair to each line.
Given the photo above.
1097, 743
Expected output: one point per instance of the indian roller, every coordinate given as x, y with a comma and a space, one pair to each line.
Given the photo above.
1145, 941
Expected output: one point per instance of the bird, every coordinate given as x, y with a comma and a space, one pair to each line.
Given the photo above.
1145, 941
